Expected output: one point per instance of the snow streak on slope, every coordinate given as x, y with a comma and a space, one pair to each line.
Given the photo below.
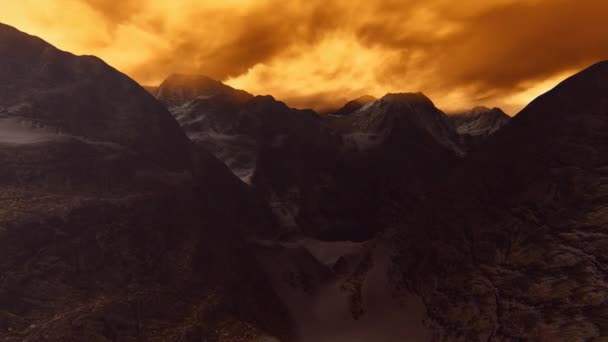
14, 131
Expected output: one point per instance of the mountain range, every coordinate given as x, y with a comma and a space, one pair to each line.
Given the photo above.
193, 211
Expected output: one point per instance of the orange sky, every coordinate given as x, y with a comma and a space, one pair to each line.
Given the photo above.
313, 53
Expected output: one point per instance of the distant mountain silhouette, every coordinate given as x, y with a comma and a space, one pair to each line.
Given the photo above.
179, 89
355, 104
476, 125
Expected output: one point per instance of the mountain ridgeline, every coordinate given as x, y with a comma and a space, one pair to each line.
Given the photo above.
318, 171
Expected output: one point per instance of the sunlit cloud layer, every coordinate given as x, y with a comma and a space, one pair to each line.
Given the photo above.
319, 53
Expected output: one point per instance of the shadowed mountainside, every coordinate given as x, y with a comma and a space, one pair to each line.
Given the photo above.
113, 226
316, 171
510, 246
84, 97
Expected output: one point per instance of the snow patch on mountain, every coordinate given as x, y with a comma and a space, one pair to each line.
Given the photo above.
366, 107
16, 131
480, 121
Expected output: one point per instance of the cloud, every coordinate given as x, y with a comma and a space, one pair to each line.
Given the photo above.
315, 53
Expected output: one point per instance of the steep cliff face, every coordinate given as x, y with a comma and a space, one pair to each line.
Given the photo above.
510, 246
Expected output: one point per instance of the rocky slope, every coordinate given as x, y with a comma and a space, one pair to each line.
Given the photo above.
113, 226
510, 247
411, 118
208, 111
391, 151
316, 172
84, 97
476, 125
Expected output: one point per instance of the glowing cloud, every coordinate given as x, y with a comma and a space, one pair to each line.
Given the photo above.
314, 53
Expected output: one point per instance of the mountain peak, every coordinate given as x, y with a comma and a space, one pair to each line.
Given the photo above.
181, 88
365, 99
84, 97
354, 105
190, 79
478, 123
483, 110
404, 114
267, 103
409, 98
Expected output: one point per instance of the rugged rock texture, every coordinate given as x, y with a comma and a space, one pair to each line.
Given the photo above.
209, 113
79, 266
112, 225
477, 124
511, 246
479, 121
409, 117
